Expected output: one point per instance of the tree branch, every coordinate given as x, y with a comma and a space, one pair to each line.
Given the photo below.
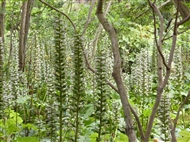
172, 133
47, 4
98, 33
138, 123
85, 57
141, 14
89, 16
178, 33
181, 106
165, 3
174, 39
184, 20
182, 8
159, 44
161, 83
188, 28
109, 83
93, 70
117, 72
173, 127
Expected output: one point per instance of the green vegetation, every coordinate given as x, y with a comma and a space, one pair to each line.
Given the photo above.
65, 77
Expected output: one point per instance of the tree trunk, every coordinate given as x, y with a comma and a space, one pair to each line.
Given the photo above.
2, 15
2, 10
162, 81
25, 23
117, 72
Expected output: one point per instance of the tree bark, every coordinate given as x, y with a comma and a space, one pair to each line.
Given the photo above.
2, 10
98, 31
162, 82
117, 72
183, 9
2, 15
25, 23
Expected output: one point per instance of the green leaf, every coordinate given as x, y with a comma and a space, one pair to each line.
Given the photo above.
146, 112
1, 124
184, 136
93, 137
122, 138
89, 121
29, 126
27, 139
22, 100
125, 39
89, 111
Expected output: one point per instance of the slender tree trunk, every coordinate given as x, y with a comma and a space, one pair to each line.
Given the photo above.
117, 72
2, 10
25, 23
162, 81
2, 15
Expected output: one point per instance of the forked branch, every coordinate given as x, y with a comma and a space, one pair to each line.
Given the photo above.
162, 83
160, 42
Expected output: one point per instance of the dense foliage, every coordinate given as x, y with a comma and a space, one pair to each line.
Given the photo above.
66, 91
